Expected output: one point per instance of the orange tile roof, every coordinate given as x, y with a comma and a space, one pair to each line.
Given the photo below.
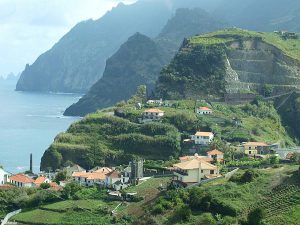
256, 143
215, 152
103, 170
114, 174
22, 178
153, 111
204, 158
40, 180
204, 134
195, 164
205, 109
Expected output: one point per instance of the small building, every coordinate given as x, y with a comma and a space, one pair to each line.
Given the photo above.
216, 154
203, 138
21, 180
204, 111
71, 169
155, 102
137, 170
254, 148
153, 114
4, 176
194, 171
41, 180
96, 176
116, 180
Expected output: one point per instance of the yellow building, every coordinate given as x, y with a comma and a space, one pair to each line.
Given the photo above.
252, 148
195, 170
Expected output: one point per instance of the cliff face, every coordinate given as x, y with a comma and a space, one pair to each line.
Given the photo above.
256, 62
140, 60
77, 61
137, 62
231, 61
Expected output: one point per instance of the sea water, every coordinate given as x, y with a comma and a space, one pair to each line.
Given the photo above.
28, 124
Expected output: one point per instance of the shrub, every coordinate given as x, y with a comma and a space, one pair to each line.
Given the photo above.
183, 213
256, 216
206, 219
158, 209
45, 186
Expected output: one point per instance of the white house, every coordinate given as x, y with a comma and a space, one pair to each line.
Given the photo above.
203, 138
153, 114
157, 102
4, 176
41, 180
116, 180
218, 155
21, 180
204, 111
194, 171
97, 176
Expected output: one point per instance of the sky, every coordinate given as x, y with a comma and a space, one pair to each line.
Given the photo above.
30, 27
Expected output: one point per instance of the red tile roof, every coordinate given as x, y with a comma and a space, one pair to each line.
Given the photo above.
153, 111
40, 180
114, 174
22, 178
215, 152
205, 109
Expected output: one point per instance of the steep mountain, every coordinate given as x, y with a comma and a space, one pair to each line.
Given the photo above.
137, 62
140, 60
77, 61
232, 61
261, 15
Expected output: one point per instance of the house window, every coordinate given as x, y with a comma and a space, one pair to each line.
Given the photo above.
249, 152
201, 171
212, 172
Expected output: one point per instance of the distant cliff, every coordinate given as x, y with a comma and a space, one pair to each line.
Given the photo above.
232, 61
140, 60
77, 61
137, 62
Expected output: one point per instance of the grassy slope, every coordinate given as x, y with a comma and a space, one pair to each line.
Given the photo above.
261, 192
68, 212
291, 47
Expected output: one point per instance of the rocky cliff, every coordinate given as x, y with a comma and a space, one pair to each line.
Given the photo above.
137, 62
77, 61
232, 61
140, 60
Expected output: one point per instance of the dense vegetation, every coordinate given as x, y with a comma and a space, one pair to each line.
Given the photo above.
250, 197
100, 139
289, 108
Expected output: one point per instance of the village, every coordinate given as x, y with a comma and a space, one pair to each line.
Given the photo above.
189, 170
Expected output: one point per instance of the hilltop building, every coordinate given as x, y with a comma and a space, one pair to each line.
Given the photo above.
152, 115
203, 138
204, 111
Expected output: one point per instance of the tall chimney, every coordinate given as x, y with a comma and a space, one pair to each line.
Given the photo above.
30, 163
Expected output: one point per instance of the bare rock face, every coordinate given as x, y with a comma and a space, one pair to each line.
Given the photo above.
252, 63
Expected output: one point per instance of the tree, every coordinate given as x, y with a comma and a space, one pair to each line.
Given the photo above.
70, 190
267, 90
183, 213
256, 216
140, 96
206, 219
45, 186
60, 176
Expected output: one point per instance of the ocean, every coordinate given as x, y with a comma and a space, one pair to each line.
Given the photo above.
28, 124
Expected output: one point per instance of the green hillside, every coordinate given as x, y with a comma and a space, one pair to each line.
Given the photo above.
232, 61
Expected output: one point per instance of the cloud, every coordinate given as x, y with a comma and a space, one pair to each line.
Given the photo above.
29, 28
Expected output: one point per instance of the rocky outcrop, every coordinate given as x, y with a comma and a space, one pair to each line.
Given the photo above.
231, 61
78, 60
255, 62
140, 60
